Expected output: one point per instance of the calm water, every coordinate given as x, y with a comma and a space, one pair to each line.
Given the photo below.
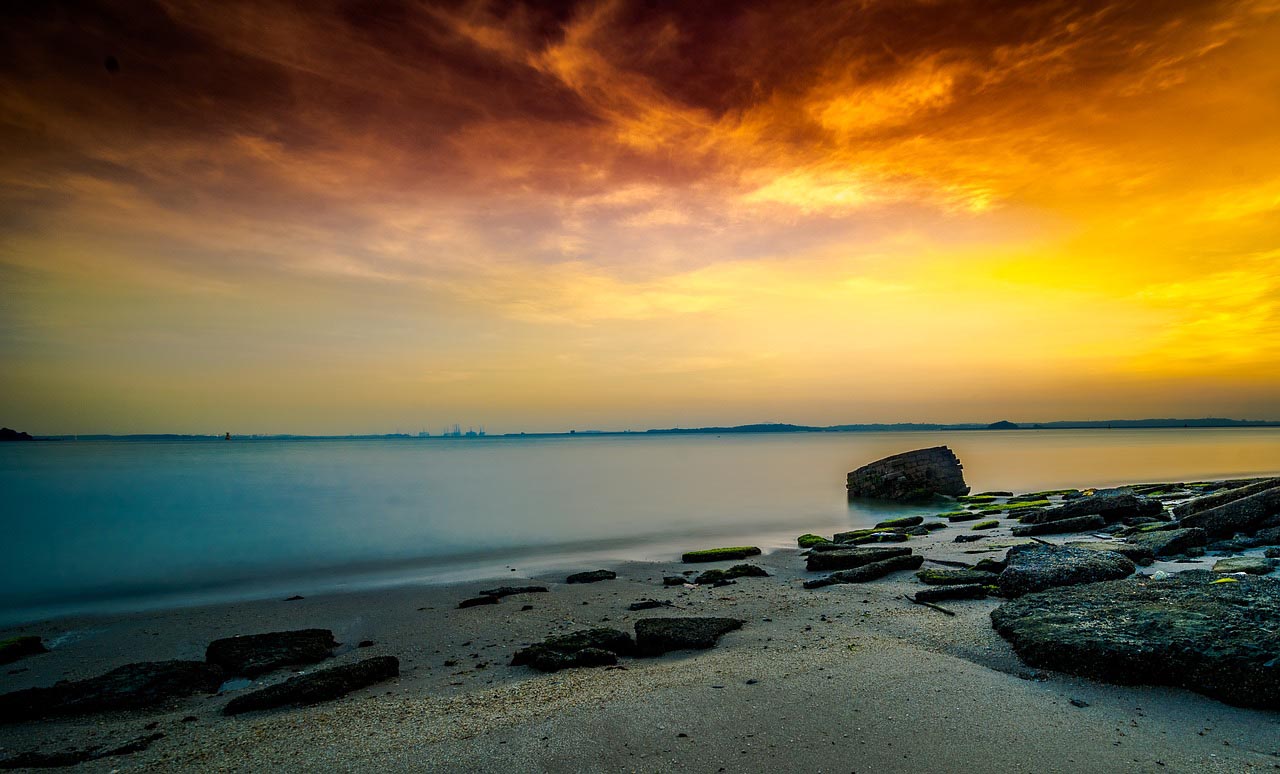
107, 525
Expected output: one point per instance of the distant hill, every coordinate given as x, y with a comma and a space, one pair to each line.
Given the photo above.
7, 434
1003, 424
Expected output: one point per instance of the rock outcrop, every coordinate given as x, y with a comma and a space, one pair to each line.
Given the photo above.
655, 636
868, 572
1036, 567
256, 654
9, 434
1219, 639
736, 571
1111, 504
1245, 514
315, 687
133, 686
910, 476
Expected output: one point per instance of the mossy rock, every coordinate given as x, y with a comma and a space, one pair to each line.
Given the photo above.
15, 648
976, 498
901, 523
989, 524
1047, 493
965, 517
810, 540
949, 514
934, 525
719, 554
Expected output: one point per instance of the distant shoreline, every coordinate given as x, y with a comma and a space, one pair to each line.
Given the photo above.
752, 429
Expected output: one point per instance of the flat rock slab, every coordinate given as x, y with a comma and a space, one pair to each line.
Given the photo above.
736, 571
955, 577
1036, 567
942, 593
588, 647
477, 601
1061, 526
868, 572
1170, 542
1138, 554
849, 558
15, 648
901, 523
1219, 639
315, 687
591, 576
655, 636
256, 654
1254, 565
507, 591
133, 686
910, 476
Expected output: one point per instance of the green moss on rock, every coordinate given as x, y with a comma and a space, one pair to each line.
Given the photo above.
719, 554
989, 524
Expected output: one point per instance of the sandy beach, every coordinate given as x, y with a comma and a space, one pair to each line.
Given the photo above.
844, 678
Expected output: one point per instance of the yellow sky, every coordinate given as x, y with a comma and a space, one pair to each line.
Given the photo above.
362, 218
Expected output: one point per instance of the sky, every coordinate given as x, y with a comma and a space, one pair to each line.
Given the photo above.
344, 217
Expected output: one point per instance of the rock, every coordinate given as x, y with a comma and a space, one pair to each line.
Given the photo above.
508, 591
810, 540
1240, 515
674, 580
294, 598
995, 494
1272, 553
1186, 631
1211, 501
256, 654
901, 523
1036, 567
960, 516
868, 572
941, 593
719, 554
1167, 542
647, 604
589, 647
990, 565
591, 576
1061, 526
1137, 554
849, 558
1110, 504
916, 531
990, 524
366, 644
655, 636
315, 687
969, 538
877, 537
55, 760
8, 434
955, 577
913, 475
15, 648
1254, 565
474, 601
736, 571
1235, 545
133, 686
1267, 537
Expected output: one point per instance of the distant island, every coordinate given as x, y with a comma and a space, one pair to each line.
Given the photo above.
767, 427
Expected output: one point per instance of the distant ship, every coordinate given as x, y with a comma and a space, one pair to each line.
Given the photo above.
227, 437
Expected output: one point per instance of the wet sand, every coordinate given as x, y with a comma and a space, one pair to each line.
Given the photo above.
844, 678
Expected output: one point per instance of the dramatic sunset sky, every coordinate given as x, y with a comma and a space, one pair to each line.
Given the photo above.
332, 217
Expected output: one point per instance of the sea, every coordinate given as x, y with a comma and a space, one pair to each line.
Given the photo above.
108, 526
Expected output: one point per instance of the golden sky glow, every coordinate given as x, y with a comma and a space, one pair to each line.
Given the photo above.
364, 216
